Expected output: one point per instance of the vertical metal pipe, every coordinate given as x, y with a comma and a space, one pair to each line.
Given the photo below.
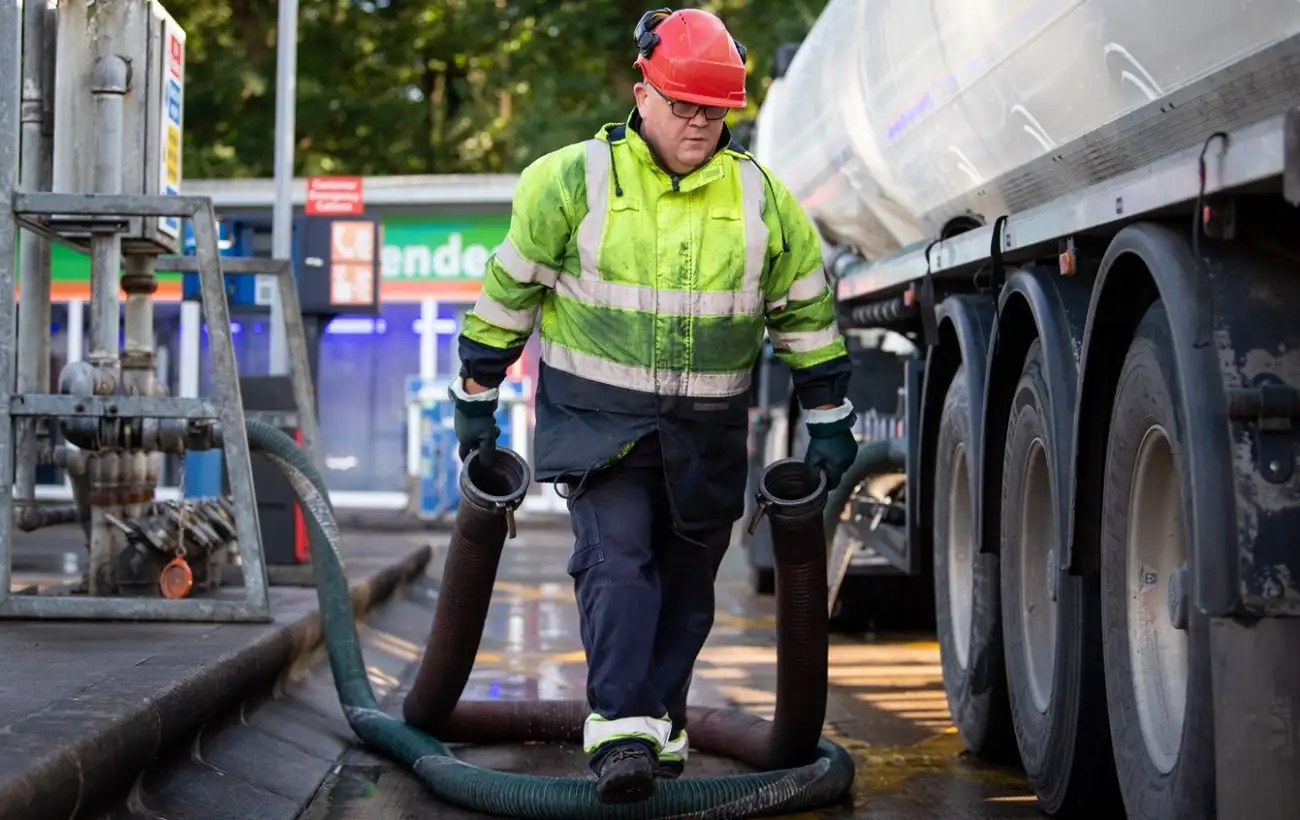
10, 105
34, 251
286, 95
139, 378
106, 477
111, 81
139, 282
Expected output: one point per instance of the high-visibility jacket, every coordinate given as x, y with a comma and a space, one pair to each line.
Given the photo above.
654, 291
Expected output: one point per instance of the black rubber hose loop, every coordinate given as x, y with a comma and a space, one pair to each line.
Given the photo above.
826, 779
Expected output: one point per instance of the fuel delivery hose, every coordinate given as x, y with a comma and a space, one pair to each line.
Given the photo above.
806, 771
874, 458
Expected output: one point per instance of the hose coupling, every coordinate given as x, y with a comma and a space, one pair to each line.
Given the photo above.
498, 485
786, 488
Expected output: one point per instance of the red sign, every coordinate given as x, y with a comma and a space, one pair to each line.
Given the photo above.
177, 54
334, 196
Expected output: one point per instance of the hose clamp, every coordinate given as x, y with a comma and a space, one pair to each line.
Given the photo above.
509, 511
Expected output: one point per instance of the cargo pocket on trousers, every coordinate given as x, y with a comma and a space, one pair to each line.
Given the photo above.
587, 551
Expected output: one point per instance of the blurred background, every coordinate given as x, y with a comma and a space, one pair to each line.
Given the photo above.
431, 86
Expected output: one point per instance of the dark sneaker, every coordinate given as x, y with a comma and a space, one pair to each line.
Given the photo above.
669, 769
626, 775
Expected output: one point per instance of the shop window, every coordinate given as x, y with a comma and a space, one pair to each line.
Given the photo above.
364, 364
251, 334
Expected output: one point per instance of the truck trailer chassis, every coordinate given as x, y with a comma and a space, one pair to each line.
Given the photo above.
1105, 487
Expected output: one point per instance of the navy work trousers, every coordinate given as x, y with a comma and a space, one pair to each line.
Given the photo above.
644, 590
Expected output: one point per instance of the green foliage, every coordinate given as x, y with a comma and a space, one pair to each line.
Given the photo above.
430, 86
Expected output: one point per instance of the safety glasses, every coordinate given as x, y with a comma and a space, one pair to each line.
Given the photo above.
688, 110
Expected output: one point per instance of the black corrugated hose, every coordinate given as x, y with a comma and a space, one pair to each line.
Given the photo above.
822, 777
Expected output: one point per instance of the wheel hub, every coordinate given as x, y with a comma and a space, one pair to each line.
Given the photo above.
1157, 599
961, 566
1037, 560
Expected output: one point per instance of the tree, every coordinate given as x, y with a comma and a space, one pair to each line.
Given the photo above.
430, 86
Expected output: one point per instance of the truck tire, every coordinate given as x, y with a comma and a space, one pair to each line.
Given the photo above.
1051, 624
966, 593
1157, 674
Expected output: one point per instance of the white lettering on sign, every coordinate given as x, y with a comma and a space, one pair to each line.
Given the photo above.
453, 259
335, 196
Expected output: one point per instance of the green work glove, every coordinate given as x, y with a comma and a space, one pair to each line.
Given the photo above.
831, 445
476, 426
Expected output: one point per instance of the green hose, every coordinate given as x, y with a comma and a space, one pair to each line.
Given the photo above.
826, 780
874, 458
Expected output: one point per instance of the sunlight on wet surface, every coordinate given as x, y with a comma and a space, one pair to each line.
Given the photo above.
380, 678
28, 581
399, 648
886, 701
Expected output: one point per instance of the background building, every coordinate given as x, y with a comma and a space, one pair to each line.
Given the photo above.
438, 232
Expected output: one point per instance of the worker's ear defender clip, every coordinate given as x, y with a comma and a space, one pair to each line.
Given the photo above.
645, 36
646, 39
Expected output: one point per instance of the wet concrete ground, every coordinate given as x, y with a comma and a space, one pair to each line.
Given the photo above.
886, 701
48, 557
85, 706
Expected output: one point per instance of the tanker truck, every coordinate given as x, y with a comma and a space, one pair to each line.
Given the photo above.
1066, 234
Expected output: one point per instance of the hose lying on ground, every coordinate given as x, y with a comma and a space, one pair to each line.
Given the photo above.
874, 458
818, 772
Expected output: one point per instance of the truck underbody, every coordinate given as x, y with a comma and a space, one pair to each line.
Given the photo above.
1101, 489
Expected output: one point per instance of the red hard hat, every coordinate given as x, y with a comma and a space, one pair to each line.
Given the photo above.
690, 56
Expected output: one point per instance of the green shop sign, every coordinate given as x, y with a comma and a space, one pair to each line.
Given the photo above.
422, 248
70, 276
418, 252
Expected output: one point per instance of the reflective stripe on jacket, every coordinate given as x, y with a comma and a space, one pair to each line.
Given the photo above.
653, 293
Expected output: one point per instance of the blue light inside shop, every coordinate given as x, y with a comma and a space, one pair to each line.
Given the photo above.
355, 326
366, 326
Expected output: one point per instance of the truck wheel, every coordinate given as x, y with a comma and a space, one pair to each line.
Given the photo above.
966, 593
1156, 645
1051, 623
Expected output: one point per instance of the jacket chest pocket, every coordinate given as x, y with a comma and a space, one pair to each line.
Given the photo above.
725, 250
627, 244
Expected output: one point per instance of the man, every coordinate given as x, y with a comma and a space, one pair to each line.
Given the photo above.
656, 254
